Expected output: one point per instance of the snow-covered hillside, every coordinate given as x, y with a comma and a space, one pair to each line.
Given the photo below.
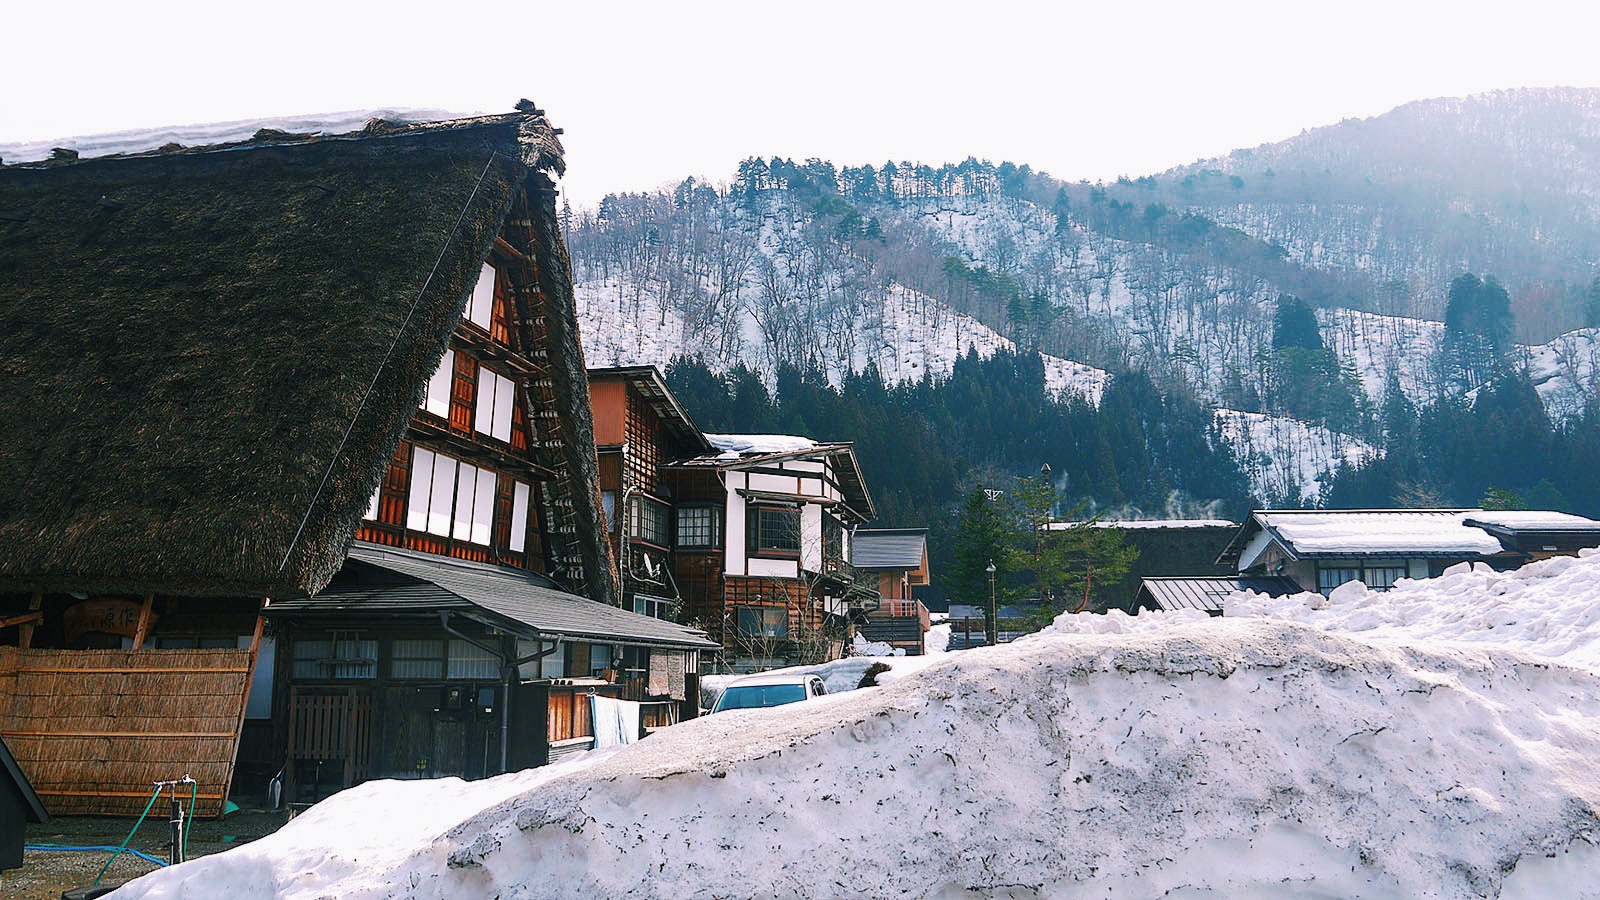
904, 332
1286, 458
1435, 741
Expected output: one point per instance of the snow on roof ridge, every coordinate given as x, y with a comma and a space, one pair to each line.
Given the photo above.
736, 445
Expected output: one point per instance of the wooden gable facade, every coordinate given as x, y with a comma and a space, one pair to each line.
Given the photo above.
639, 428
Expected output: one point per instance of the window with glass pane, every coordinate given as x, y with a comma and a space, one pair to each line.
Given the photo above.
1331, 577
648, 520
468, 660
655, 607
416, 659
698, 526
1382, 578
773, 530
764, 621
346, 656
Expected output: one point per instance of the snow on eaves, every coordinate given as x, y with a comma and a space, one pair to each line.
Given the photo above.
734, 446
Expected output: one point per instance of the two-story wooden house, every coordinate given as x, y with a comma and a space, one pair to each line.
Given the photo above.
640, 427
761, 538
895, 562
218, 364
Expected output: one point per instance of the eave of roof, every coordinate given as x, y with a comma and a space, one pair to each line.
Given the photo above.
522, 602
858, 500
649, 382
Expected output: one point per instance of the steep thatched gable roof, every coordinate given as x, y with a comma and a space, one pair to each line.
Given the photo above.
207, 356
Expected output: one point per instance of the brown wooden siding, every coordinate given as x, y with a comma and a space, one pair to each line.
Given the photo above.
608, 401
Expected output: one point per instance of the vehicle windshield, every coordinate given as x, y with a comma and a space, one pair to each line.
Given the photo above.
755, 696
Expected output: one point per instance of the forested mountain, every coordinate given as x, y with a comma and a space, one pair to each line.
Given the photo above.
1327, 303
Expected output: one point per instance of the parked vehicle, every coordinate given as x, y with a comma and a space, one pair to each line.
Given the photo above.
770, 689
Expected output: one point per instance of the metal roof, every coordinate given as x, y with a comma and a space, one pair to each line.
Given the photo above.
888, 548
1207, 594
379, 579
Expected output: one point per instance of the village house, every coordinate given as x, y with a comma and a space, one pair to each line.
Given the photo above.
1318, 550
761, 541
894, 562
639, 428
301, 469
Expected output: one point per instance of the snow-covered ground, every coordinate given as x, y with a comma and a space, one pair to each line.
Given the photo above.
1438, 740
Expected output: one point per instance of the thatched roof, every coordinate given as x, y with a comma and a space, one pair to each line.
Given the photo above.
208, 355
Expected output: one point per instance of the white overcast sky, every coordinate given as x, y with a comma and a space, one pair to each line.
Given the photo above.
651, 92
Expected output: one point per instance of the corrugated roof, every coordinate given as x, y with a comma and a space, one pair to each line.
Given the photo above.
888, 548
406, 581
1208, 594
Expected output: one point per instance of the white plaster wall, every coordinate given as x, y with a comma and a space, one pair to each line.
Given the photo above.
733, 526
774, 568
811, 537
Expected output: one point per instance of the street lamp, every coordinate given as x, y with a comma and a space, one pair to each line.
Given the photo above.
994, 613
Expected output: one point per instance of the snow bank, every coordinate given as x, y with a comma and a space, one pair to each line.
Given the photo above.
1249, 758
1438, 740
1548, 609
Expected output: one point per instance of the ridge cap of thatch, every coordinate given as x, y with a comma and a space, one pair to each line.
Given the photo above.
539, 140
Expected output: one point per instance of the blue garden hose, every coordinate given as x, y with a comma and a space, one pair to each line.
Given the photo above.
58, 847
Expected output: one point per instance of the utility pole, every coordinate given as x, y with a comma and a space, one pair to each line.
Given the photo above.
994, 612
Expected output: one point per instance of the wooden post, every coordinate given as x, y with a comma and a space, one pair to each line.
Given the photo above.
244, 702
25, 632
143, 631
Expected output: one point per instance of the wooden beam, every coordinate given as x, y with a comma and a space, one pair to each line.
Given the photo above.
118, 734
134, 670
47, 792
25, 633
31, 618
143, 631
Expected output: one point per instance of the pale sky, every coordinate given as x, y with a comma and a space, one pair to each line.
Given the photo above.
651, 92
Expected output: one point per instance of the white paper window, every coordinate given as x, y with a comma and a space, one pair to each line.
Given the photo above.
466, 490
504, 393
483, 508
421, 490
372, 508
495, 396
519, 517
468, 660
437, 398
416, 659
481, 310
444, 483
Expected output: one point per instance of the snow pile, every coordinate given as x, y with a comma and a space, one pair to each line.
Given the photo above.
1548, 609
1438, 740
1238, 758
864, 647
734, 446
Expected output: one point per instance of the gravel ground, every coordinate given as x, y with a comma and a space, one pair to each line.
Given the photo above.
45, 874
